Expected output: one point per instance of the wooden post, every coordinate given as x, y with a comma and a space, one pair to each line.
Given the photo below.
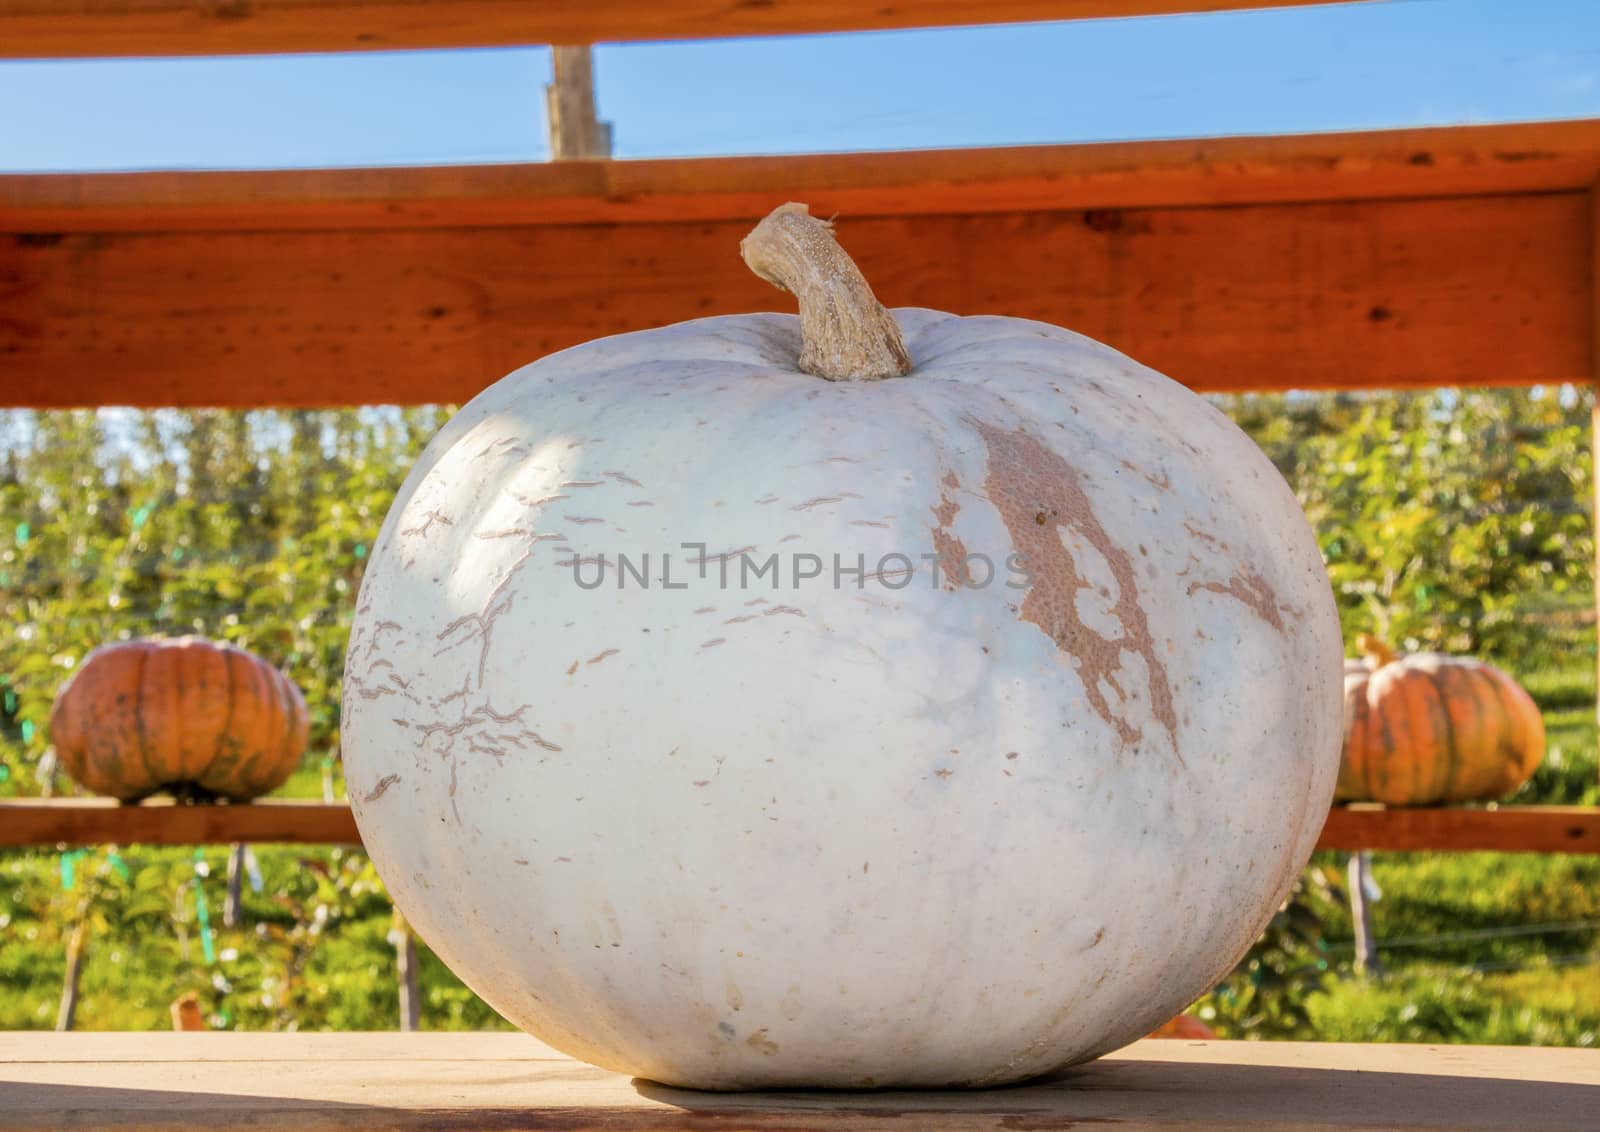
1360, 876
231, 908
69, 986
405, 954
46, 773
576, 132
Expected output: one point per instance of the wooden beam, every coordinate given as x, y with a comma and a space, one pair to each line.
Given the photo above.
1312, 296
97, 821
1509, 829
82, 28
1368, 165
80, 821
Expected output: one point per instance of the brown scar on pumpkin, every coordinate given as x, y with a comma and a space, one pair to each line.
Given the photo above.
705, 559
492, 445
949, 551
598, 657
1161, 481
529, 501
1205, 536
515, 532
1250, 589
429, 519
381, 788
622, 478
573, 669
1038, 494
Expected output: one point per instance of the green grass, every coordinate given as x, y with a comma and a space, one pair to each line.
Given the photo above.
1542, 1006
286, 967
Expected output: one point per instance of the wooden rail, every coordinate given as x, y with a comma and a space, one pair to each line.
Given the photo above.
62, 821
78, 28
99, 821
1387, 260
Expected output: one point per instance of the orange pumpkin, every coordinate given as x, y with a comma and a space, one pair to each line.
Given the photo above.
186, 715
1427, 728
1184, 1026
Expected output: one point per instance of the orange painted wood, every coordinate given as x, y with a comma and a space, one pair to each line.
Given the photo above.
79, 821
1451, 161
100, 821
1320, 295
475, 1081
1509, 829
77, 28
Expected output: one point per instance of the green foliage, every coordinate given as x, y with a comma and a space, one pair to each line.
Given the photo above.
251, 528
311, 953
1268, 992
1543, 1006
1445, 517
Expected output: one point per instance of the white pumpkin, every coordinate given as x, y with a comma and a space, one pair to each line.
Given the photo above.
911, 825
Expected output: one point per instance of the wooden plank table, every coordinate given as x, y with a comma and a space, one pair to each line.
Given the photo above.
314, 1082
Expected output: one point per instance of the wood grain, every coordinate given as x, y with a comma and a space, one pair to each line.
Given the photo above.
1365, 165
1379, 293
1512, 829
98, 821
77, 28
92, 821
317, 1082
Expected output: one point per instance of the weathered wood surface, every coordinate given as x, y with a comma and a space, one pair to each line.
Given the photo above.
1534, 157
100, 821
576, 133
76, 28
1378, 293
316, 1082
79, 821
1509, 829
1399, 259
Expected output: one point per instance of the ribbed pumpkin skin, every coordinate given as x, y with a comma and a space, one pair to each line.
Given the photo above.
1428, 728
184, 714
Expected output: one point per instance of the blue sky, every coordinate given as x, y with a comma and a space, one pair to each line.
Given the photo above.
1349, 66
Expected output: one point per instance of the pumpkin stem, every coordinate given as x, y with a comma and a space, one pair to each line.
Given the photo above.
1375, 650
845, 332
